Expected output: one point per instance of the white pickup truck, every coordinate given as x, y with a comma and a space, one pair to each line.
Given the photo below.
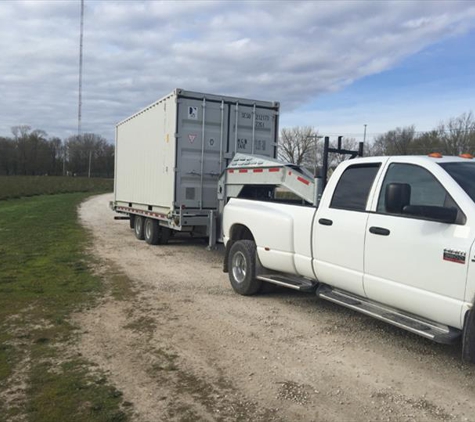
392, 237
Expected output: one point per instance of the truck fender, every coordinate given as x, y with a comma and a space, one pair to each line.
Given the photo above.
237, 232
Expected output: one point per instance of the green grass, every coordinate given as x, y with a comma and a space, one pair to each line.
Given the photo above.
12, 187
44, 277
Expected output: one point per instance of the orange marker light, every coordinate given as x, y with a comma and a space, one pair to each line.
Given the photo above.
468, 156
435, 155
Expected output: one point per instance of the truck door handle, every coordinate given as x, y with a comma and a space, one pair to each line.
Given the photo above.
325, 222
379, 230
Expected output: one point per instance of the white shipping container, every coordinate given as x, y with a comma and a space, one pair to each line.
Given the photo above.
169, 156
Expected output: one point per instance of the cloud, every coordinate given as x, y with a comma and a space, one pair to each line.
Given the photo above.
137, 51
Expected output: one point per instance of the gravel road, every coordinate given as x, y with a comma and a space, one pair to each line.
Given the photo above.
185, 347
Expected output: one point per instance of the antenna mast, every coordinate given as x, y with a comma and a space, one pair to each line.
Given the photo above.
80, 68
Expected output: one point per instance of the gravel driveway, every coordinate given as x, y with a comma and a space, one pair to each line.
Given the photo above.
185, 347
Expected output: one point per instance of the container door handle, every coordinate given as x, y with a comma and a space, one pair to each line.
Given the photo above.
325, 222
379, 230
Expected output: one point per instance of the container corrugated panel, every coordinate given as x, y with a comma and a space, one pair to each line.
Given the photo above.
171, 153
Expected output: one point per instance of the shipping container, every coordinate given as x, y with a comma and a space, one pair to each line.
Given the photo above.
169, 156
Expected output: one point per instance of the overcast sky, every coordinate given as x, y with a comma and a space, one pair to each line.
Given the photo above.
333, 65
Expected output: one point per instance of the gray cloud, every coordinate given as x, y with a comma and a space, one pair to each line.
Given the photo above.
137, 51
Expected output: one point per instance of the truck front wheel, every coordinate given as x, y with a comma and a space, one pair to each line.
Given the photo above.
242, 268
468, 346
138, 227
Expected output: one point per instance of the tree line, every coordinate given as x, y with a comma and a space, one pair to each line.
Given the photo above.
32, 152
303, 146
454, 137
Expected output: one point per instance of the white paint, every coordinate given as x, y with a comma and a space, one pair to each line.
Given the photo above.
405, 270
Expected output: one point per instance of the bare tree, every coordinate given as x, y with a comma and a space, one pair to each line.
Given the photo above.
395, 142
458, 135
20, 131
31, 152
8, 156
90, 154
298, 145
427, 142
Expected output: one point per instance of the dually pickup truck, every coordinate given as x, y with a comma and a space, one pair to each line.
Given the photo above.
392, 237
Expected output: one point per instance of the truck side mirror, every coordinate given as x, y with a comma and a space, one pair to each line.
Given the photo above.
397, 196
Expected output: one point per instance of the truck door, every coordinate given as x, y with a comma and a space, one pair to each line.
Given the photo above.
200, 152
253, 130
414, 263
340, 225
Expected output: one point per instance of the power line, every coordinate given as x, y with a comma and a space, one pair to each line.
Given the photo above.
416, 132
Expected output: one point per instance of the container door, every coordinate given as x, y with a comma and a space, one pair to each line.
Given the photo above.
202, 126
255, 133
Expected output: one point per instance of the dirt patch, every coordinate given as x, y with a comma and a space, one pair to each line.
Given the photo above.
184, 346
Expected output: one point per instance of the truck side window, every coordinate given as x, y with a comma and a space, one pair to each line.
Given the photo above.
353, 188
425, 188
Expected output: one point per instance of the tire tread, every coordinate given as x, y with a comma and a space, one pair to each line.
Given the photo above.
250, 286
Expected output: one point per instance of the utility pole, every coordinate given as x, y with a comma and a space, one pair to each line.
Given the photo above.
80, 68
90, 159
64, 158
364, 136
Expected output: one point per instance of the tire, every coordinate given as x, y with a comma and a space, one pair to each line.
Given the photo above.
132, 221
152, 231
165, 235
139, 227
468, 341
242, 268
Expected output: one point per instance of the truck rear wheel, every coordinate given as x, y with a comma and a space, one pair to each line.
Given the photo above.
132, 221
152, 231
242, 268
468, 342
138, 227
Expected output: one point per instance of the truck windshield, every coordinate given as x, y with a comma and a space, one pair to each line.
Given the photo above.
463, 174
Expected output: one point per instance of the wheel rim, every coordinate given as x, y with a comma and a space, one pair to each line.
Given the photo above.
239, 267
148, 230
138, 225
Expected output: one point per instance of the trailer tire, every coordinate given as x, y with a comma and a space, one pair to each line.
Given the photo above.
132, 221
242, 268
165, 234
468, 341
152, 231
139, 227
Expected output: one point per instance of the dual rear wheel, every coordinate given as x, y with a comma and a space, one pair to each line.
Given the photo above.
242, 268
149, 230
468, 340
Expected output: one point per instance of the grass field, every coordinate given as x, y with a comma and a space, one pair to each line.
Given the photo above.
20, 186
45, 276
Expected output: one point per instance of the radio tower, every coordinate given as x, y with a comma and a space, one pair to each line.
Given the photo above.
80, 68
